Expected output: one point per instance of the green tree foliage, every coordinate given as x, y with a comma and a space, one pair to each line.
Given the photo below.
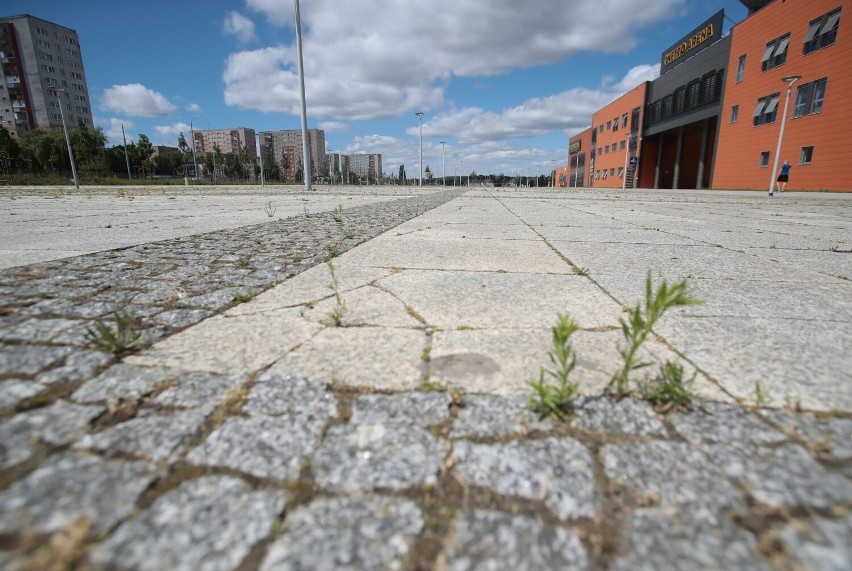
9, 145
89, 146
46, 150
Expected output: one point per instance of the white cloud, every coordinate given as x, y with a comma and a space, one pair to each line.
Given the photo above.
168, 134
194, 108
136, 100
359, 66
333, 126
239, 26
112, 129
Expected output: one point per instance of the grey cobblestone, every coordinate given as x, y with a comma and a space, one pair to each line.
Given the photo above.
206, 524
719, 422
558, 471
819, 543
263, 446
347, 533
275, 395
623, 417
659, 540
487, 416
495, 541
829, 437
421, 409
365, 457
196, 389
14, 391
124, 381
69, 487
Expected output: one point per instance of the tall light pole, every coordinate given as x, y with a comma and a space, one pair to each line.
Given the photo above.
790, 80
192, 138
260, 154
68, 141
306, 160
126, 158
420, 120
443, 165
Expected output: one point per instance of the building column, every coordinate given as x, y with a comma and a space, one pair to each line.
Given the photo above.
678, 152
699, 184
659, 161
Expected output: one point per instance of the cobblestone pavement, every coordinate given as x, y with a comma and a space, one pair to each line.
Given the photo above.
109, 462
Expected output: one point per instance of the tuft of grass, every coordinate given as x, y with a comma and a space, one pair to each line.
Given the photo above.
337, 214
761, 395
552, 391
669, 390
348, 234
340, 310
640, 324
123, 338
243, 297
269, 208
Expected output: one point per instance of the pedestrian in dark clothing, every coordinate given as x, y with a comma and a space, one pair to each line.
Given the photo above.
783, 177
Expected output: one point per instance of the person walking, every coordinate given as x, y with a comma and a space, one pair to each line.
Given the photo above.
783, 177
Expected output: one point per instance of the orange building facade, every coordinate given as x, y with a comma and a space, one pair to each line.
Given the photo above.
784, 39
615, 140
579, 159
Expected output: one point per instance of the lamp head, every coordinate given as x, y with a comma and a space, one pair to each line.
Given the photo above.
791, 78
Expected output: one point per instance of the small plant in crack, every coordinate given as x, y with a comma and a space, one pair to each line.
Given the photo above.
552, 391
669, 391
761, 395
641, 323
348, 234
269, 208
123, 338
332, 250
337, 214
340, 310
581, 271
243, 297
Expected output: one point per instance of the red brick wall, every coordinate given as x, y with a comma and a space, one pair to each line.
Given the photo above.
829, 132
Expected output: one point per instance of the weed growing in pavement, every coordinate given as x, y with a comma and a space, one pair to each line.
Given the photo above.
269, 208
332, 250
761, 396
243, 297
123, 338
552, 392
640, 325
340, 310
348, 233
669, 390
337, 214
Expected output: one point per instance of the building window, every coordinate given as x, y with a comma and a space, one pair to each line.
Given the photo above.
615, 125
624, 121
735, 112
608, 125
764, 159
614, 147
822, 32
620, 172
806, 155
621, 145
775, 53
612, 171
809, 98
766, 110
741, 68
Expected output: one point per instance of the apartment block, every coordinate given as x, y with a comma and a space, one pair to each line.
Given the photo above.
229, 142
43, 78
275, 145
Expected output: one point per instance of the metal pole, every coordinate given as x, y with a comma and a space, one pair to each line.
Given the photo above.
443, 165
792, 79
126, 159
68, 142
305, 144
192, 138
260, 152
420, 120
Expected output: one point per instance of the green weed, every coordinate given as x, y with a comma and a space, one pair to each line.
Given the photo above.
669, 390
348, 234
243, 297
337, 214
340, 310
269, 208
641, 323
552, 391
761, 396
123, 338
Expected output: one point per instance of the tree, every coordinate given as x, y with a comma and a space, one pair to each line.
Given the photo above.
89, 146
144, 152
428, 172
402, 174
285, 166
45, 149
9, 145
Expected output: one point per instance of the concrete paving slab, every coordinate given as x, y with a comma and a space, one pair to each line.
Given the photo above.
452, 299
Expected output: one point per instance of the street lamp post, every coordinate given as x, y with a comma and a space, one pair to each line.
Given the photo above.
68, 141
192, 138
260, 154
306, 151
126, 158
443, 165
790, 80
420, 120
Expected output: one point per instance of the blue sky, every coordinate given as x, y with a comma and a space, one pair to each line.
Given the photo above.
503, 82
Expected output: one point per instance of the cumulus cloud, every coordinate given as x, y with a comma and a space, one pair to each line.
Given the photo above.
239, 26
358, 66
168, 134
112, 130
194, 108
135, 100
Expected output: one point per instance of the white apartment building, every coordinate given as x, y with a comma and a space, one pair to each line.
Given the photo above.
277, 144
43, 78
229, 141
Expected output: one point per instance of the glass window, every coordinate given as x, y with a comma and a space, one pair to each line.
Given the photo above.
741, 68
822, 32
806, 155
802, 96
624, 121
735, 111
764, 159
819, 95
